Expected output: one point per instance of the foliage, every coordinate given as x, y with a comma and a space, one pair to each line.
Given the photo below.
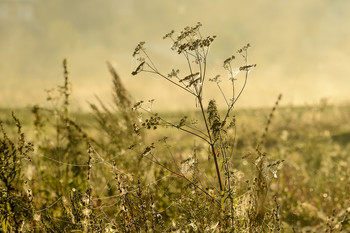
16, 196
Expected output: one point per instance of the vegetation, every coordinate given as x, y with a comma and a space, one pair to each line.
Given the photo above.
126, 168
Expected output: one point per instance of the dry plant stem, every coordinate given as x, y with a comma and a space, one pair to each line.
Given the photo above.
176, 164
233, 103
172, 156
226, 163
185, 178
269, 119
187, 131
234, 100
65, 89
199, 98
180, 128
155, 71
223, 94
233, 82
163, 76
211, 143
204, 71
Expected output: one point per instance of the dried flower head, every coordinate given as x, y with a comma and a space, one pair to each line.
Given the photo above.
245, 48
216, 79
228, 61
169, 35
139, 48
247, 67
173, 73
138, 69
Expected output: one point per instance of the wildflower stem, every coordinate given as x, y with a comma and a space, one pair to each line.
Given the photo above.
154, 67
185, 178
235, 99
163, 76
180, 128
211, 143
223, 94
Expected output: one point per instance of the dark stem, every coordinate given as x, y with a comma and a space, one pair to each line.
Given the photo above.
180, 128
211, 143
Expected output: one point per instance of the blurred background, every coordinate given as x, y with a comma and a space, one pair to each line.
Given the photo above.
301, 48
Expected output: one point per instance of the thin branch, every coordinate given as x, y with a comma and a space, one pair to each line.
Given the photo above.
180, 128
155, 68
185, 178
233, 103
223, 94
163, 76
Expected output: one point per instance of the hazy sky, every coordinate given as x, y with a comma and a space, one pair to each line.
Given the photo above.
301, 47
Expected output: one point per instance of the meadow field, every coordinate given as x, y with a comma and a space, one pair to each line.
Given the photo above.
308, 193
126, 168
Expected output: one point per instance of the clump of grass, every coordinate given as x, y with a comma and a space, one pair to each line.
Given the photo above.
16, 196
68, 144
118, 122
